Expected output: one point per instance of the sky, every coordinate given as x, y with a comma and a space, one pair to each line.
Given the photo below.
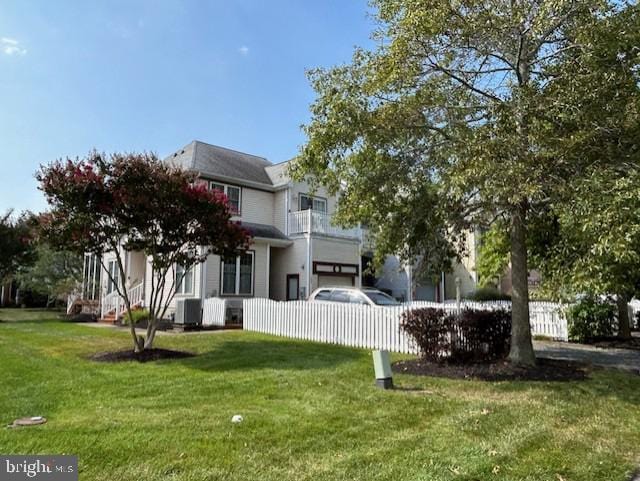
153, 75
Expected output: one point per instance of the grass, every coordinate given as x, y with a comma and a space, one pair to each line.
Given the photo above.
310, 412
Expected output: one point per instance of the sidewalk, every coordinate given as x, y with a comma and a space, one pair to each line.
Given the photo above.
626, 359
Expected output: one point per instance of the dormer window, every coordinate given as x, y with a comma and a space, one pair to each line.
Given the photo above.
232, 192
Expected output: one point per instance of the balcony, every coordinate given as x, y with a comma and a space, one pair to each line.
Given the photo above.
315, 222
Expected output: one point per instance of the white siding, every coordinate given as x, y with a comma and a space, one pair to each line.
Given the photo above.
464, 270
289, 260
334, 250
304, 188
256, 206
212, 288
168, 283
279, 210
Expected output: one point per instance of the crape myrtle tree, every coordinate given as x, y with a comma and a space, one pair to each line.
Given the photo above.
457, 117
134, 202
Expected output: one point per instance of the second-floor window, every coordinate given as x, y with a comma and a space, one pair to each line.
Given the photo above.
232, 192
317, 204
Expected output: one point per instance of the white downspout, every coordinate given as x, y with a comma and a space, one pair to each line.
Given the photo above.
268, 273
309, 252
203, 278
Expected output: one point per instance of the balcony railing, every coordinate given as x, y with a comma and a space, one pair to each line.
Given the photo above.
315, 222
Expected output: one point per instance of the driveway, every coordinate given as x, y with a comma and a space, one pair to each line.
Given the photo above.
626, 359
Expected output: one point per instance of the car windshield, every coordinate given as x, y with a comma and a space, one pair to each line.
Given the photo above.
381, 299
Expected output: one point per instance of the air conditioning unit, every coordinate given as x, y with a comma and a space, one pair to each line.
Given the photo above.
188, 312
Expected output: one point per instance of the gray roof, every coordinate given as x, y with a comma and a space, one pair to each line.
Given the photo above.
214, 161
263, 230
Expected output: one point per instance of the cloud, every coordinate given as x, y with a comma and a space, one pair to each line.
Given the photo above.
10, 46
244, 50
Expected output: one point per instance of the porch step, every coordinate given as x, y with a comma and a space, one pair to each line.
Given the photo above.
109, 319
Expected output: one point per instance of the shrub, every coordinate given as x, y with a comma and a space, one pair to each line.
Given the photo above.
591, 318
488, 293
138, 315
474, 335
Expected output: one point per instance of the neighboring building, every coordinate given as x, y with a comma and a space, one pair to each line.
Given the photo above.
402, 282
295, 249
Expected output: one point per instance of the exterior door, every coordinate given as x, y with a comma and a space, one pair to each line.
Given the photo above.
293, 287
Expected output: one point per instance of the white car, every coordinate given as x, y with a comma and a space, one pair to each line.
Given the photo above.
351, 295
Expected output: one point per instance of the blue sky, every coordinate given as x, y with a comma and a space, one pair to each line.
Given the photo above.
155, 74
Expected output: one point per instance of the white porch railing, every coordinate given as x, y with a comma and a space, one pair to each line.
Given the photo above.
214, 312
310, 221
71, 300
110, 303
114, 303
136, 295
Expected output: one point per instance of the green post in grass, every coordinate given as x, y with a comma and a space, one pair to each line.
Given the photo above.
382, 368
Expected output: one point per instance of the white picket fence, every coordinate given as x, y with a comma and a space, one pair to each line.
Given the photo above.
634, 308
546, 318
372, 328
213, 312
346, 324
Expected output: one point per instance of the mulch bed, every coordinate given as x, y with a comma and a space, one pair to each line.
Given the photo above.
544, 370
144, 356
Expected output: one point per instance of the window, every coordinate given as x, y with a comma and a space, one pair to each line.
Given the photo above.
317, 204
323, 295
184, 280
112, 267
237, 275
381, 299
340, 296
356, 298
232, 192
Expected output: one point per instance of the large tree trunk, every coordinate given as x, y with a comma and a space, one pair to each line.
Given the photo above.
521, 345
624, 329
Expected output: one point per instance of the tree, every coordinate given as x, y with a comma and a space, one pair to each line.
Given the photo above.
493, 255
16, 244
461, 115
596, 248
135, 202
54, 274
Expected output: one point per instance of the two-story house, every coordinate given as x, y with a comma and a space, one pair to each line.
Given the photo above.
295, 248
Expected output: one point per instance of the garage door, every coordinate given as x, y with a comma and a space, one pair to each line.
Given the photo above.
329, 281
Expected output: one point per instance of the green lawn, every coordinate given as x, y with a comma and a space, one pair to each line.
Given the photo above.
310, 411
